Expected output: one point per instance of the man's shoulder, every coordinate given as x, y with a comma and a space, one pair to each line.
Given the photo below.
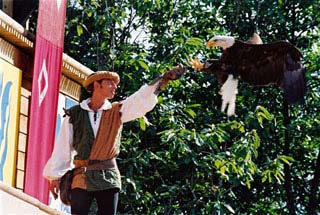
73, 109
116, 104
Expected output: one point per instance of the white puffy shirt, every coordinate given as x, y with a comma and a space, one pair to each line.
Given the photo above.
133, 107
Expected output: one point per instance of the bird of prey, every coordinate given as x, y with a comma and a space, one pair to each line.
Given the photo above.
257, 64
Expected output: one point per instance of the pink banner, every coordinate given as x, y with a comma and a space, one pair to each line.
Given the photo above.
44, 97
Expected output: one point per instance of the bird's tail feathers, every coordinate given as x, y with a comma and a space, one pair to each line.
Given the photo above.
229, 91
294, 85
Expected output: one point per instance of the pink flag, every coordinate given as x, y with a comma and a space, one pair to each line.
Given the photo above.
44, 97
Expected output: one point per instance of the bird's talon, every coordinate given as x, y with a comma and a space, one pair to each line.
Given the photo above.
196, 64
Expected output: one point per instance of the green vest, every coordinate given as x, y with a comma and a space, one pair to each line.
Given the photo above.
83, 135
83, 139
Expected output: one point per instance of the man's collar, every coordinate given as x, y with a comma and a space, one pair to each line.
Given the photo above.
85, 105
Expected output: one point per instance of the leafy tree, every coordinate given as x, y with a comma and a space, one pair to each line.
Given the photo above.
194, 159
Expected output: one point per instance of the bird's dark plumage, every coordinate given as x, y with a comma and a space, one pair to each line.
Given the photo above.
262, 64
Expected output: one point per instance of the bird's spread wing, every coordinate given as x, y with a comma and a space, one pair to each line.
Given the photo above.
278, 63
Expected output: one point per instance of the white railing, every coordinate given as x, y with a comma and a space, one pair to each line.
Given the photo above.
15, 202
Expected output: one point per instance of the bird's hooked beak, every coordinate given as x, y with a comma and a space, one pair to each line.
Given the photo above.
211, 43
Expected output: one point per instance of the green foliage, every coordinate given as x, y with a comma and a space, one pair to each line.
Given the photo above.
194, 159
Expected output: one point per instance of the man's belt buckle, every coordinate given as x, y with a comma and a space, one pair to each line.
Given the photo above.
84, 169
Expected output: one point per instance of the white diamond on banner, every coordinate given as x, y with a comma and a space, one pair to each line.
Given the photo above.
43, 75
59, 4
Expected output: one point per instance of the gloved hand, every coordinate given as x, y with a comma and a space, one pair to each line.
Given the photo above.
173, 74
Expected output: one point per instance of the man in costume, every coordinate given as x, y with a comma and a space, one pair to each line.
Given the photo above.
89, 140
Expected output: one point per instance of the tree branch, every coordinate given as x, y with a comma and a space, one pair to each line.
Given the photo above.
313, 199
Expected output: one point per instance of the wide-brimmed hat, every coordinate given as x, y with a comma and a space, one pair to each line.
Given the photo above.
96, 76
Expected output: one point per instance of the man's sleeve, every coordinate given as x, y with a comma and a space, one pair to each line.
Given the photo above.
60, 160
139, 103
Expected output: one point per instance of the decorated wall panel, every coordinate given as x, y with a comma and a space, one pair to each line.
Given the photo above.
10, 84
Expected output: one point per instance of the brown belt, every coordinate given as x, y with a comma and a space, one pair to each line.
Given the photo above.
106, 164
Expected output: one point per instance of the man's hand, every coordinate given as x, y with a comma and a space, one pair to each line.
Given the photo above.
173, 74
163, 80
54, 188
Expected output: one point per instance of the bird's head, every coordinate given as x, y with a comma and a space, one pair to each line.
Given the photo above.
221, 41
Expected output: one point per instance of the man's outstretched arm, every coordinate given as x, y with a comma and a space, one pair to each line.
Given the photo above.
144, 100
